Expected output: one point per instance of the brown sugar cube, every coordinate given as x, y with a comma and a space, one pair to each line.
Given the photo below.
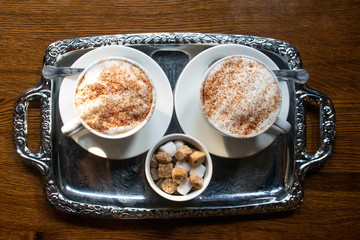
169, 186
165, 170
154, 174
153, 162
183, 153
179, 175
197, 158
163, 157
196, 181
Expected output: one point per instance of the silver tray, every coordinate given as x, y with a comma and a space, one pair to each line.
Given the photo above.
78, 182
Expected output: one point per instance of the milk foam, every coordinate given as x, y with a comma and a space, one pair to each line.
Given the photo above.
241, 97
114, 96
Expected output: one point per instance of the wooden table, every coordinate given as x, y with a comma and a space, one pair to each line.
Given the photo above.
326, 33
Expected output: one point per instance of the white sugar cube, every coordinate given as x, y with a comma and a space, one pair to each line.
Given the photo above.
183, 165
169, 147
184, 188
199, 170
178, 144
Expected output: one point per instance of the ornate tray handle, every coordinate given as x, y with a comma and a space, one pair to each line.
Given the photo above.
305, 161
41, 159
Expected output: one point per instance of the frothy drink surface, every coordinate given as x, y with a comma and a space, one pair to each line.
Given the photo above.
114, 96
241, 97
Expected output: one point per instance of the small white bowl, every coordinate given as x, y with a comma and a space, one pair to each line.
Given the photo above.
189, 140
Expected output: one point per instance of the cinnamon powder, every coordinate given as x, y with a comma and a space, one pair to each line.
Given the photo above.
241, 97
115, 95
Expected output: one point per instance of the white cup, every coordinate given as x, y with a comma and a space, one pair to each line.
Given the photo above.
78, 123
224, 115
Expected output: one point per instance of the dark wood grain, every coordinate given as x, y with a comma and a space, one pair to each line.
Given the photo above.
325, 32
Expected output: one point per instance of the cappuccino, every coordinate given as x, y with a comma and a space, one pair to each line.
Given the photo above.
240, 97
114, 96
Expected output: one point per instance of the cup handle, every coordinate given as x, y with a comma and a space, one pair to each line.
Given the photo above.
72, 127
282, 125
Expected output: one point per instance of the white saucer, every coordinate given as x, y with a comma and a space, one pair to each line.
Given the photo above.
147, 136
188, 110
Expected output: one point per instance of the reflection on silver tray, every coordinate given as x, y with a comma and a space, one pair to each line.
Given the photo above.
75, 181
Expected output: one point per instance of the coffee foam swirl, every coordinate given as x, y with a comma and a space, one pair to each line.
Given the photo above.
114, 96
241, 97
